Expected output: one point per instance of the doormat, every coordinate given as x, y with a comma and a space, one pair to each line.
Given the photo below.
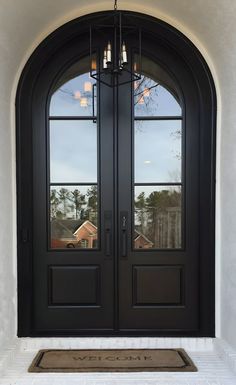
119, 360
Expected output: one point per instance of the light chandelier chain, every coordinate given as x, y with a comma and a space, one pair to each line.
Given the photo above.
115, 5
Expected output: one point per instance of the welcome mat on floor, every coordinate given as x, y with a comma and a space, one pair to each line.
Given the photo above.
110, 360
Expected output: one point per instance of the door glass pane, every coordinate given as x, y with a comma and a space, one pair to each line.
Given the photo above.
75, 93
158, 151
152, 99
155, 94
73, 151
157, 219
74, 216
158, 155
73, 154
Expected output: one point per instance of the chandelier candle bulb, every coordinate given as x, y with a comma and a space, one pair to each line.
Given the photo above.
94, 65
108, 53
105, 59
124, 54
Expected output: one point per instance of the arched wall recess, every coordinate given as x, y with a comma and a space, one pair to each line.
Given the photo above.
169, 288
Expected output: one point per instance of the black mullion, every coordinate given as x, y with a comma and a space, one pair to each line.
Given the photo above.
73, 184
159, 184
72, 117
158, 118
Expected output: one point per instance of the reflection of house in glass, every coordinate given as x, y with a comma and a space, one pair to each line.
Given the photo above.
158, 228
141, 242
71, 233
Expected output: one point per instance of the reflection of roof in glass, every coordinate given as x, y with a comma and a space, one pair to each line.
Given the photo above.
64, 228
67, 228
137, 234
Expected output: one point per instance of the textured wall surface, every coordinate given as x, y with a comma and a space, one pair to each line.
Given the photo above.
211, 24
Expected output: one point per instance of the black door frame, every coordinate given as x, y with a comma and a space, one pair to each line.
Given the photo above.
168, 36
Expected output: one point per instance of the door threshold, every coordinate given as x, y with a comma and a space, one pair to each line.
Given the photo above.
97, 342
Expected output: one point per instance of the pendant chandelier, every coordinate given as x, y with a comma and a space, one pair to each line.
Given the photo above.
116, 67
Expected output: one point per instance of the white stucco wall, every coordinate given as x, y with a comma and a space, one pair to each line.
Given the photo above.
211, 25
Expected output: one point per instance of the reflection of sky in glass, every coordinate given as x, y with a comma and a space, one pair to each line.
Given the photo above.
152, 100
68, 98
73, 144
158, 151
73, 151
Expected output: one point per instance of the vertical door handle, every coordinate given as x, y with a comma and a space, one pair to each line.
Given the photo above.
123, 230
108, 233
124, 246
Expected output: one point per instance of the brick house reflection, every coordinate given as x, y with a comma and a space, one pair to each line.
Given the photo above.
70, 233
141, 241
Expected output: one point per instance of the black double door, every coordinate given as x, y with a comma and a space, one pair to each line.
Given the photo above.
127, 263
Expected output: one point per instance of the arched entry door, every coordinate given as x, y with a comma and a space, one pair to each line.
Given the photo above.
116, 193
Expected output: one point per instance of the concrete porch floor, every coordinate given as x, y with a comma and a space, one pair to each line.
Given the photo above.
213, 357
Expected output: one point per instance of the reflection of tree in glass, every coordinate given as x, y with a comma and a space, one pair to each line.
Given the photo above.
73, 204
78, 200
92, 206
158, 217
140, 205
54, 203
145, 91
177, 135
63, 196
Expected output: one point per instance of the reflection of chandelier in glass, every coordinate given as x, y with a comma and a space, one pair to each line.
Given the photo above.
86, 94
115, 60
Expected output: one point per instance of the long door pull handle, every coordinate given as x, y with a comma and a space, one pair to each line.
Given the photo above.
123, 218
124, 244
108, 233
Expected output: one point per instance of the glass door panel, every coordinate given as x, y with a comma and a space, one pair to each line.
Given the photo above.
157, 217
74, 216
158, 151
75, 93
158, 158
73, 151
155, 94
73, 155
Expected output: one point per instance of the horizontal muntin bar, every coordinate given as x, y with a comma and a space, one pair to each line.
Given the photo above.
72, 117
158, 118
73, 184
159, 184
